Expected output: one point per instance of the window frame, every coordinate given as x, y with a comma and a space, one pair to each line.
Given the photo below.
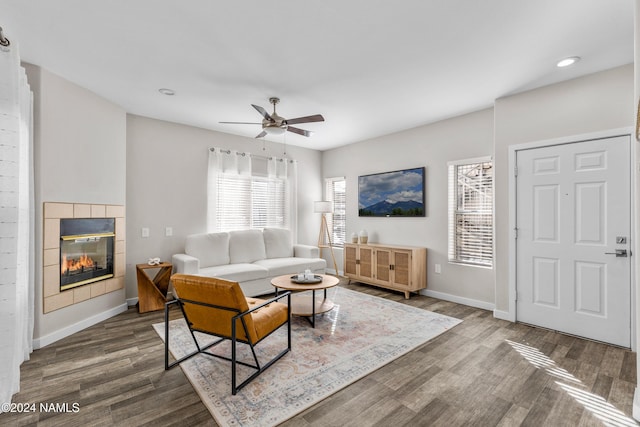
454, 212
337, 221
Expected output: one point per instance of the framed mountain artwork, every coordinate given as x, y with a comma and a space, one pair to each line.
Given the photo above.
392, 194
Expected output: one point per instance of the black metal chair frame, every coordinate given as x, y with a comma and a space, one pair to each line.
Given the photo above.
234, 339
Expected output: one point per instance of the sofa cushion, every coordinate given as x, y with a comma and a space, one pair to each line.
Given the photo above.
277, 242
236, 272
280, 266
246, 246
211, 249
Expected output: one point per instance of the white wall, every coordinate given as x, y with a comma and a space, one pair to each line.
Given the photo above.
431, 146
593, 103
79, 156
166, 185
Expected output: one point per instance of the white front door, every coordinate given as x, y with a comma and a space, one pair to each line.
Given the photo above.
573, 212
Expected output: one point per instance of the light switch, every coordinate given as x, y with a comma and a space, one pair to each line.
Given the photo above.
145, 232
168, 231
438, 269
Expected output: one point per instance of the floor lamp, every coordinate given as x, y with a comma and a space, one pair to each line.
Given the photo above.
324, 238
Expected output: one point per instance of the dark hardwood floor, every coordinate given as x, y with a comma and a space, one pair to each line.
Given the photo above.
483, 372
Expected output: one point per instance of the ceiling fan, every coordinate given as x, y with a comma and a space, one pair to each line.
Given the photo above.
273, 124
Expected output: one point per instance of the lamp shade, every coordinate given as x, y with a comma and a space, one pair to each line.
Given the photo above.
323, 207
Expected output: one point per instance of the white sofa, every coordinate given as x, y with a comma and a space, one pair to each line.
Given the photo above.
249, 257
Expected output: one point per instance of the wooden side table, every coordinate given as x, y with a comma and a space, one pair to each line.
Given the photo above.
152, 293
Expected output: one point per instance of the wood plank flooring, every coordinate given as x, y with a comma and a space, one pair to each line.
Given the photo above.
483, 372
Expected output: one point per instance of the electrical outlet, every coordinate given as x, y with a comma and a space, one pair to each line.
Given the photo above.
145, 232
168, 231
438, 268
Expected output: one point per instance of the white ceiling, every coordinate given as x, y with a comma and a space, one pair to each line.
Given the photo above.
370, 67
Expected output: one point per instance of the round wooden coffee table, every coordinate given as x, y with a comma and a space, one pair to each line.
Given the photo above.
305, 305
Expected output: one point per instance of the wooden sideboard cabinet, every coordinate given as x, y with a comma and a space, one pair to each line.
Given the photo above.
401, 268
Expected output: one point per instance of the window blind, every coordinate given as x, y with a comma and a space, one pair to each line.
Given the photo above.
245, 202
471, 212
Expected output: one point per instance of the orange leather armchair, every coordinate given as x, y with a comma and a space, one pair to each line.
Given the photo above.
218, 307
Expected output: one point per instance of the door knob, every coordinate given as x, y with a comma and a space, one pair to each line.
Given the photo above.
618, 253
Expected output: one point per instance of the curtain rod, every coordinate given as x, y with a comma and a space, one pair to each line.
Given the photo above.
3, 40
257, 156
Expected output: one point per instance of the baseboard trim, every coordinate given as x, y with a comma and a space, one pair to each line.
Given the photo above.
77, 327
503, 315
132, 301
460, 300
636, 404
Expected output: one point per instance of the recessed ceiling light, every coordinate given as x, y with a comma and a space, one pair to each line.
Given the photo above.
568, 61
166, 91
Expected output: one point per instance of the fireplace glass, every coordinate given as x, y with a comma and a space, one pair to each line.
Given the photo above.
86, 251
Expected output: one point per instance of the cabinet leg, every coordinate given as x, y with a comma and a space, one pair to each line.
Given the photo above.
407, 294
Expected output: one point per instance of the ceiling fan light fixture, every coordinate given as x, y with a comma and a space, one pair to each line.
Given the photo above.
275, 130
273, 124
567, 61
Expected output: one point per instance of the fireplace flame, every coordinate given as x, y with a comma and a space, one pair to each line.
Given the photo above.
73, 265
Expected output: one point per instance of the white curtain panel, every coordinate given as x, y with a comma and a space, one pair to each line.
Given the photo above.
287, 169
222, 161
215, 165
291, 170
16, 221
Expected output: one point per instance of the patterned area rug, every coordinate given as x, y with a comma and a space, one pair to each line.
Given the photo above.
361, 334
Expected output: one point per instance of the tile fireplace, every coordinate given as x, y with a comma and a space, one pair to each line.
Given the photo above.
83, 253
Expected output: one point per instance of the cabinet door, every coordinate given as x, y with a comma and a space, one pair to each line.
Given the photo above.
365, 268
383, 265
402, 267
350, 257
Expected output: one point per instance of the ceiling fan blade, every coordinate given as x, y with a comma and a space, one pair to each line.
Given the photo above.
307, 119
263, 112
261, 134
299, 131
241, 123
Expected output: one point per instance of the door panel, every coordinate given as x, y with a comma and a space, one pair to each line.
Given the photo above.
366, 262
350, 257
572, 201
546, 218
401, 263
545, 281
383, 265
590, 213
590, 288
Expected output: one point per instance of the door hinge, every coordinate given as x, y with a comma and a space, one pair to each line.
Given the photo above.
515, 171
515, 230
